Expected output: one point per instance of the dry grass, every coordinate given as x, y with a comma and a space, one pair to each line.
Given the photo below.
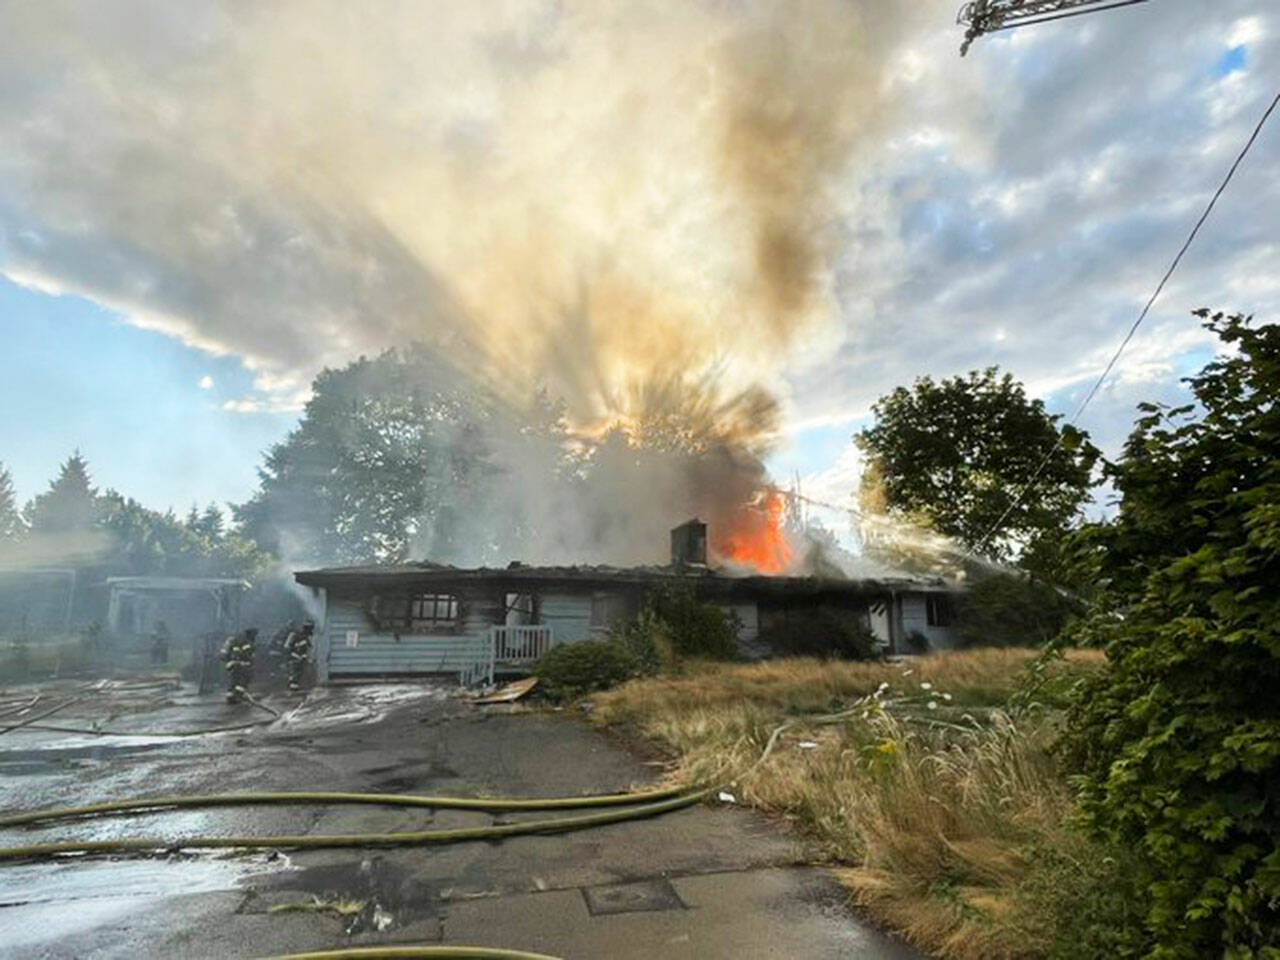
939, 818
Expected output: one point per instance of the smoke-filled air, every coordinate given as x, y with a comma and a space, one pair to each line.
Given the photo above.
631, 207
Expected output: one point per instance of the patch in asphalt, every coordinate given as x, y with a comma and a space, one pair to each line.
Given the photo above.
386, 896
645, 895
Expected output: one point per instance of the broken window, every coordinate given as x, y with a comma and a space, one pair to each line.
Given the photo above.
938, 611
417, 613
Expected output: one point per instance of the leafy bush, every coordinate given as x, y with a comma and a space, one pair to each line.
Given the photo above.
574, 669
694, 629
821, 632
1010, 610
647, 640
1178, 744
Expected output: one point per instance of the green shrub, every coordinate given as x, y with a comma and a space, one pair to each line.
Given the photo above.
647, 639
694, 629
820, 632
574, 669
1011, 610
1178, 743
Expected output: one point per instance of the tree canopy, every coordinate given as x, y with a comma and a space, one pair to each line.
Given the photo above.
12, 526
72, 524
1179, 741
70, 503
387, 460
954, 455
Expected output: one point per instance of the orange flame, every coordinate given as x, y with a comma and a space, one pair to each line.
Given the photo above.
759, 541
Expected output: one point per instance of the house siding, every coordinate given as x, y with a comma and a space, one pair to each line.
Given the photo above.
381, 652
915, 619
568, 615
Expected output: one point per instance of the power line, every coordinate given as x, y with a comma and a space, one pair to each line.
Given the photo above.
1044, 462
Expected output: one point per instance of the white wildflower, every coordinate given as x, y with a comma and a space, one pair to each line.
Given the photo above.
926, 686
933, 704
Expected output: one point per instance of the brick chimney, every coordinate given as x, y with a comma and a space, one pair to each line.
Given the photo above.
689, 544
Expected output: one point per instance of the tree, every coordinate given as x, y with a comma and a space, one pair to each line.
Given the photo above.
70, 503
1005, 609
143, 542
954, 456
11, 526
381, 462
1178, 743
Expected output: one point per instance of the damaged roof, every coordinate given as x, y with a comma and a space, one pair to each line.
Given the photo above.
516, 575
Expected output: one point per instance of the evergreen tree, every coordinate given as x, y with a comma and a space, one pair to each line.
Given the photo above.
212, 524
11, 525
69, 505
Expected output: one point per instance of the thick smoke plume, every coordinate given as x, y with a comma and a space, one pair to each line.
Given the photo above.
628, 203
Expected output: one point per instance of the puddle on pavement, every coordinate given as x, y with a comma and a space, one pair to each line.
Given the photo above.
46, 902
388, 896
327, 706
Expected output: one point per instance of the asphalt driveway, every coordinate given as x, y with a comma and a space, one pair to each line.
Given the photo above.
701, 882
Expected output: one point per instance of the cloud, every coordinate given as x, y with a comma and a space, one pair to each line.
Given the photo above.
587, 193
206, 382
1033, 221
820, 197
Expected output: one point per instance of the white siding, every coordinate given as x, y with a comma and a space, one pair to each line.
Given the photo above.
878, 622
915, 619
380, 652
569, 616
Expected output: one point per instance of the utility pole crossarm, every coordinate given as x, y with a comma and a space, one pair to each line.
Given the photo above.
988, 16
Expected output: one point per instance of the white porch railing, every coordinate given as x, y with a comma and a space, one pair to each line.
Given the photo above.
521, 643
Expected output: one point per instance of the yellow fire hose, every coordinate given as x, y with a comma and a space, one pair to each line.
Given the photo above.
309, 797
424, 952
673, 798
407, 838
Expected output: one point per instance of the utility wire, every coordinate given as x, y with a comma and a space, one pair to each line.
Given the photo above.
1044, 462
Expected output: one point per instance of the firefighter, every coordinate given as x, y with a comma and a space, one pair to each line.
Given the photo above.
237, 654
298, 646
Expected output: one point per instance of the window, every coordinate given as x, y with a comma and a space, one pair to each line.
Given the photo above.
607, 608
938, 611
417, 613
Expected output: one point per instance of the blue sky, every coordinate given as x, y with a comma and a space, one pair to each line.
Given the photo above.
76, 376
227, 195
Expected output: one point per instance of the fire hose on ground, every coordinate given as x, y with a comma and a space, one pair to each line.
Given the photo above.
424, 952
635, 806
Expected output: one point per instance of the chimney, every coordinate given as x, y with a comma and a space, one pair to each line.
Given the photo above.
689, 544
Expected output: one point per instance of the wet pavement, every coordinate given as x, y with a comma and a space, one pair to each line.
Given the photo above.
701, 882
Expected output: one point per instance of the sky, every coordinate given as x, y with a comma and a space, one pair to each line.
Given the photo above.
200, 208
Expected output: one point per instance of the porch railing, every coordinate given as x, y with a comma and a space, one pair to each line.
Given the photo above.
521, 643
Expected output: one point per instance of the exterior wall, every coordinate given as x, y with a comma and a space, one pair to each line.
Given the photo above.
371, 651
879, 623
350, 645
568, 615
915, 620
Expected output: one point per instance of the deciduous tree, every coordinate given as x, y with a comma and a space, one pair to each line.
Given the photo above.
954, 456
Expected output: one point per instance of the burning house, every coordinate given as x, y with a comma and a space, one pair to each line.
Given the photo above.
419, 619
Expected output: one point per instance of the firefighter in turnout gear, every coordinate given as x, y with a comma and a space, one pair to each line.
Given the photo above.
237, 654
298, 647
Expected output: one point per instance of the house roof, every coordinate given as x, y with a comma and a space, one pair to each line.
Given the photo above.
517, 575
174, 584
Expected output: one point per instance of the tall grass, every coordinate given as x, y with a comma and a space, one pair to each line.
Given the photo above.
947, 823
